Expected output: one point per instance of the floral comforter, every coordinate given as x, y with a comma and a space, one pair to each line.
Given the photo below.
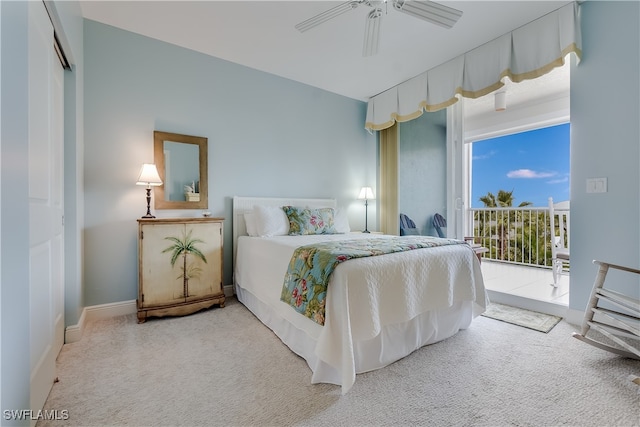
310, 268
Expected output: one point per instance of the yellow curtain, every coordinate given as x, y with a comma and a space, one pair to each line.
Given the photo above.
388, 192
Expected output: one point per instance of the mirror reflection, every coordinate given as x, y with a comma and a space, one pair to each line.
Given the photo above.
182, 165
181, 175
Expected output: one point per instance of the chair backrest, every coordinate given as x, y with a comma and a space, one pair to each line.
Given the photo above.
407, 226
559, 219
439, 223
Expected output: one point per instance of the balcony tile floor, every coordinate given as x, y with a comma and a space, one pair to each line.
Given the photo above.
526, 287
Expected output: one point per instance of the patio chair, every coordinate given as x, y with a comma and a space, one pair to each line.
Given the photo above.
617, 320
439, 223
407, 226
559, 220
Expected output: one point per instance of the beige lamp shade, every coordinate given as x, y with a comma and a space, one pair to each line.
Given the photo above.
366, 193
149, 175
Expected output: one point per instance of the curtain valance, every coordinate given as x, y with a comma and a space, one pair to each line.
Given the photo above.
525, 53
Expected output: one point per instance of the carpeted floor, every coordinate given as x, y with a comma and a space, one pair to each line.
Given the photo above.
519, 316
222, 367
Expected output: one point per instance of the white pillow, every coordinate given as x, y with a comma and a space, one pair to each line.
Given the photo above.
270, 221
250, 224
341, 221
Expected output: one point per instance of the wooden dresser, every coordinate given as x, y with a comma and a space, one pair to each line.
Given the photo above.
179, 265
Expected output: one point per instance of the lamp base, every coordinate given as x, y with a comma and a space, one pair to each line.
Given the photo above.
366, 216
148, 215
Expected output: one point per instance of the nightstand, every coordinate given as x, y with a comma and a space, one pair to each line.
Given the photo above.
180, 266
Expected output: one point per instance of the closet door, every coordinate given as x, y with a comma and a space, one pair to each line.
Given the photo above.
46, 278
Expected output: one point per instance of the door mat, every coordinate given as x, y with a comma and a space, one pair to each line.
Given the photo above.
519, 316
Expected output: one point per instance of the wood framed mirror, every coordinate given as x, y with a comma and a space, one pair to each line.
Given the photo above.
182, 165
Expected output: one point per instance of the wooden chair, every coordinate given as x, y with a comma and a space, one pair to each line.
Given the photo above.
618, 318
559, 225
439, 222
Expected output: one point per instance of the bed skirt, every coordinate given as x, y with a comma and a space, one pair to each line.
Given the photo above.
392, 344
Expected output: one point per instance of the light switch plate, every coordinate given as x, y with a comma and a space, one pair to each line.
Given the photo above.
596, 185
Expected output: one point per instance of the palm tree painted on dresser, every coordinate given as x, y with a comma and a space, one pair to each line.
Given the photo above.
184, 247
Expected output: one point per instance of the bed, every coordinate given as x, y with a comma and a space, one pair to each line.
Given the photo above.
378, 309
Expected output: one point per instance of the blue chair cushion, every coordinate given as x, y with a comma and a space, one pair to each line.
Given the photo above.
407, 226
409, 232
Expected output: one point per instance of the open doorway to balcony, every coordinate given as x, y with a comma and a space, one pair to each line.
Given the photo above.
534, 110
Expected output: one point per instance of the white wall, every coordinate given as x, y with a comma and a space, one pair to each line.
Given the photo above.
268, 136
605, 141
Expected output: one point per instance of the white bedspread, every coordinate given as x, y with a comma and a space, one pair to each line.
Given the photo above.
365, 295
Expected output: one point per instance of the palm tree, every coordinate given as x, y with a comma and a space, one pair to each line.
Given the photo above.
504, 200
502, 225
184, 247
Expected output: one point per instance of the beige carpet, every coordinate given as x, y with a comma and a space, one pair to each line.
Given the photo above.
222, 367
518, 316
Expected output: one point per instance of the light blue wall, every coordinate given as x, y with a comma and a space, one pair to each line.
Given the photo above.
605, 141
14, 199
14, 196
422, 169
268, 136
242, 123
70, 16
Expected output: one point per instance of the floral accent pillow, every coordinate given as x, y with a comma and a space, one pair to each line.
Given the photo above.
304, 221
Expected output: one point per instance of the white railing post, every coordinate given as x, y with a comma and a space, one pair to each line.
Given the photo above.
513, 235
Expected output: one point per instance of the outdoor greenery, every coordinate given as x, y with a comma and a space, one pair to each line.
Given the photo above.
516, 235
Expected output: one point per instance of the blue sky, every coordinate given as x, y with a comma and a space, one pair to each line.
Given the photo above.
534, 164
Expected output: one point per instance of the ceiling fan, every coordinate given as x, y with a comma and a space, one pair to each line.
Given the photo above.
429, 11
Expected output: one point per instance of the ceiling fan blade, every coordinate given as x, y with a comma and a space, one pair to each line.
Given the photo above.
372, 33
327, 15
429, 11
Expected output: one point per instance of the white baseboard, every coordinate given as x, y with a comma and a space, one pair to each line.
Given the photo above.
73, 333
570, 315
574, 317
105, 311
228, 290
528, 303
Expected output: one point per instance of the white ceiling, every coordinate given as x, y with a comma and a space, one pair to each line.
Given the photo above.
261, 35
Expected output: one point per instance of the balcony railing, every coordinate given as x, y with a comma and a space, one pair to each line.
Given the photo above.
514, 235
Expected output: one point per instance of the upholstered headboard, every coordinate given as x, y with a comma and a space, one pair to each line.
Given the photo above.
242, 205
